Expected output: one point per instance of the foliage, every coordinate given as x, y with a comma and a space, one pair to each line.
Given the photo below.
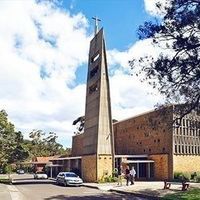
44, 146
192, 194
80, 123
10, 141
197, 179
176, 71
15, 149
110, 179
107, 179
177, 175
182, 175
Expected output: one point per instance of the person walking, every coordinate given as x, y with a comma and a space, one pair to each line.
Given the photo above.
127, 175
132, 175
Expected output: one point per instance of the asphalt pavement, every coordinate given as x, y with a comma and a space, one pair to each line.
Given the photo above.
54, 192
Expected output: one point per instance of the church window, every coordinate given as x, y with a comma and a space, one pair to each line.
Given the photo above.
183, 149
187, 131
180, 131
183, 122
94, 71
95, 57
175, 148
158, 140
179, 148
93, 88
163, 149
186, 150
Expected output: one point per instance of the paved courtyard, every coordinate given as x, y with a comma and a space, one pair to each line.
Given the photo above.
142, 188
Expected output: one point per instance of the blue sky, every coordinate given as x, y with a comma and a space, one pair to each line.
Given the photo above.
44, 53
120, 18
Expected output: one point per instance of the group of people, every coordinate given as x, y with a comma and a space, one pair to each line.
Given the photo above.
128, 174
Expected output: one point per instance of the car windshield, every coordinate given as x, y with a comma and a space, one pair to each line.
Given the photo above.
71, 175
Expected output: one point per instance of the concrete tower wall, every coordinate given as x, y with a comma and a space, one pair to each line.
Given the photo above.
97, 156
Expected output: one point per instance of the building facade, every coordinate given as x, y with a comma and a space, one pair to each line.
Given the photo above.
151, 142
155, 143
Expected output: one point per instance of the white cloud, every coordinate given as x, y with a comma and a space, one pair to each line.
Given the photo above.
151, 8
41, 49
129, 95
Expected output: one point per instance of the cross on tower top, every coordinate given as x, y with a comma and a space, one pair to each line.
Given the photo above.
96, 24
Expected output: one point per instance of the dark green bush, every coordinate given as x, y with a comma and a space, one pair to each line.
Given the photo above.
198, 179
182, 176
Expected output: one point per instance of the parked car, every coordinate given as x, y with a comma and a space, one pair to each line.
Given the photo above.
20, 171
40, 175
68, 178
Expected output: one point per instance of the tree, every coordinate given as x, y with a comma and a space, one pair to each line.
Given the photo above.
80, 122
11, 148
42, 145
175, 74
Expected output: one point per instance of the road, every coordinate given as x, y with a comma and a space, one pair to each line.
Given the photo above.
54, 192
28, 178
26, 188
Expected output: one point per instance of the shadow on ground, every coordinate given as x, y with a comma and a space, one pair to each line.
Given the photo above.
112, 196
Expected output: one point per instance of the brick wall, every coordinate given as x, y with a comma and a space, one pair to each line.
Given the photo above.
186, 163
149, 133
161, 170
89, 168
77, 145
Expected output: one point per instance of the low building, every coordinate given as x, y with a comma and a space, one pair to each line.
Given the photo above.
154, 144
39, 163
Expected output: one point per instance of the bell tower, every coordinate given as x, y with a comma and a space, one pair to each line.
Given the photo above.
98, 147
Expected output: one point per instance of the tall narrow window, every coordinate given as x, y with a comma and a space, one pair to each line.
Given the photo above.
94, 71
95, 57
93, 88
175, 149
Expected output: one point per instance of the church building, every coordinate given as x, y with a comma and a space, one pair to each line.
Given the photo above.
151, 142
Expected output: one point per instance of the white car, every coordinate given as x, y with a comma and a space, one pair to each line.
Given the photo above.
40, 175
68, 178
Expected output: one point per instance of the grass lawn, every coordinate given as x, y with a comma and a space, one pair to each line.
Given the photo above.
193, 194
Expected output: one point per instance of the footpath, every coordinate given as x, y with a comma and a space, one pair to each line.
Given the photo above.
148, 189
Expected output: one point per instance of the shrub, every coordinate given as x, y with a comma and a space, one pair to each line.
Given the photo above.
182, 176
186, 176
107, 179
177, 175
198, 179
